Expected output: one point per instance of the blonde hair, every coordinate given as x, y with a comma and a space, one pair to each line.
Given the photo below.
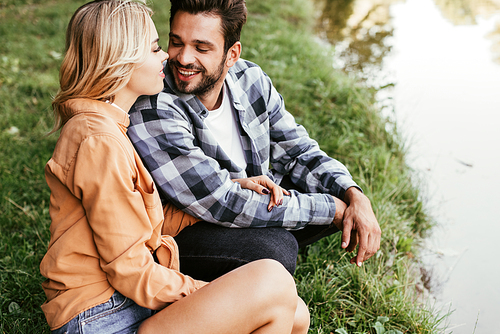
105, 39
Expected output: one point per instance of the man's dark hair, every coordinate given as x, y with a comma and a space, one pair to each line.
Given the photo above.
233, 14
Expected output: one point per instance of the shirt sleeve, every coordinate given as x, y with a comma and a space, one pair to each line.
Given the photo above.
294, 153
197, 184
122, 223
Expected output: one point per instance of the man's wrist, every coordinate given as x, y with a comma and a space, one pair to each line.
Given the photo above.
340, 208
351, 194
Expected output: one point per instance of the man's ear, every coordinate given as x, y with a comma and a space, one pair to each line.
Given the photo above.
233, 54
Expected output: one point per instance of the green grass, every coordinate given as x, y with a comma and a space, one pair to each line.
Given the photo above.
384, 296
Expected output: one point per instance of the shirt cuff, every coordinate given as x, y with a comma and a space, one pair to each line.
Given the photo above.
324, 210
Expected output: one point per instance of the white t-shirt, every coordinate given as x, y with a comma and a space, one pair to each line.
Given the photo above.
222, 124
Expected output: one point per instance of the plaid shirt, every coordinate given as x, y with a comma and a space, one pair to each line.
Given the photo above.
193, 172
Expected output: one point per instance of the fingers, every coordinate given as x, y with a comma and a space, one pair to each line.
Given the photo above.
263, 185
272, 201
267, 187
249, 184
346, 234
364, 226
369, 244
353, 242
360, 257
254, 184
276, 196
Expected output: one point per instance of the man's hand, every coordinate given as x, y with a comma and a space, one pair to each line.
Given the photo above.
360, 225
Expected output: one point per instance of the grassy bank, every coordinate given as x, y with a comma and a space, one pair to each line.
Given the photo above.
381, 296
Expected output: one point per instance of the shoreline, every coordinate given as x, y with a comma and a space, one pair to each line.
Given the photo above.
389, 291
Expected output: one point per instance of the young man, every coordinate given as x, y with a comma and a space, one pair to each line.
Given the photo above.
218, 119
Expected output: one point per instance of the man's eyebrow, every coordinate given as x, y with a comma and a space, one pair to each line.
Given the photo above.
207, 43
196, 41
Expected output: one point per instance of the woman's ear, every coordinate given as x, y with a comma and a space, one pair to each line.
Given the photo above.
233, 54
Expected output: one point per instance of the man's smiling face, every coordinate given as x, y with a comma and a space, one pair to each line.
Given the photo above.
196, 51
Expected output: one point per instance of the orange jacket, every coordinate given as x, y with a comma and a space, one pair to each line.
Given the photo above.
107, 219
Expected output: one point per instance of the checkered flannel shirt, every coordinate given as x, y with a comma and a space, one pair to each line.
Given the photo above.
193, 172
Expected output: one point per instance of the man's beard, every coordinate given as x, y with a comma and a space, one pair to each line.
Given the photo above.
207, 83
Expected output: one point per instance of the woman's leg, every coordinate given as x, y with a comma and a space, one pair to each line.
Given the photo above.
302, 319
259, 297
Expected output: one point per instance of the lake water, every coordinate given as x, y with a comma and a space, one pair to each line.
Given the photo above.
443, 57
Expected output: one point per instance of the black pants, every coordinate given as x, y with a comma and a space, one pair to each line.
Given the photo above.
208, 251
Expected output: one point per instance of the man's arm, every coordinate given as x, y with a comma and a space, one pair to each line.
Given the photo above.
295, 153
196, 183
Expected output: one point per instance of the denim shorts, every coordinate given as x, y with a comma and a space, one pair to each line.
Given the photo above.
118, 315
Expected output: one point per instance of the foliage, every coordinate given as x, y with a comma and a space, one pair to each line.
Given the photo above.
384, 296
381, 297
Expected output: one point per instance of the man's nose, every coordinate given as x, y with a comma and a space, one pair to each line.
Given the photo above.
186, 56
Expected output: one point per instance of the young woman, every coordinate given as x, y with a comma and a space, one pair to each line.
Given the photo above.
109, 269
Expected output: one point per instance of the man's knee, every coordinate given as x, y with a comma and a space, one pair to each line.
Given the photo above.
280, 245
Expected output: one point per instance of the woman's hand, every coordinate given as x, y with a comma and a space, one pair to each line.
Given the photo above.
263, 185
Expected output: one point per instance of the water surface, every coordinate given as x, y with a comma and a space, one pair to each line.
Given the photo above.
443, 59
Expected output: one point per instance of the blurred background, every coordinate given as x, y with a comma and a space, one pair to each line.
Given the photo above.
437, 65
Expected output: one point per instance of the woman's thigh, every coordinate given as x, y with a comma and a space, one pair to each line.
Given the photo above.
241, 301
118, 315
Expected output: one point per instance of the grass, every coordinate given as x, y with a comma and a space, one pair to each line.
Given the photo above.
384, 296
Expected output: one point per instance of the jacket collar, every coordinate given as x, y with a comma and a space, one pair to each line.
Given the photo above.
75, 107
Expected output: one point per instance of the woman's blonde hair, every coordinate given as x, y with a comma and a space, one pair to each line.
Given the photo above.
105, 39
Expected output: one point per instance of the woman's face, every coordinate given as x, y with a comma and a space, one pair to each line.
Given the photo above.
147, 78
